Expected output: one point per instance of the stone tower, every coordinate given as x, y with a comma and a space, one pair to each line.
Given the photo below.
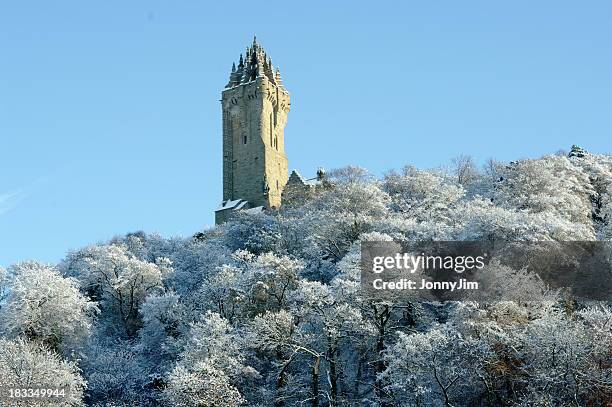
255, 105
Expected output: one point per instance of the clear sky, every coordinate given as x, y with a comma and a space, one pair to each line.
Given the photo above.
110, 119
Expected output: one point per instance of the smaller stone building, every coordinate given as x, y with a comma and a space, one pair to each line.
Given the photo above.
298, 189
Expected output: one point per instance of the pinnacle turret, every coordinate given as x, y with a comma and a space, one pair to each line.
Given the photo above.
277, 77
235, 75
255, 64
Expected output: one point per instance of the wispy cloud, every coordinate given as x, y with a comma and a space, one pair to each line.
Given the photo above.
10, 200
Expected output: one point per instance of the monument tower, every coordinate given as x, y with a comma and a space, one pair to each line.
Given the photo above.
255, 105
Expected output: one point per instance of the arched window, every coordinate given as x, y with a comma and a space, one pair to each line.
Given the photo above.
244, 139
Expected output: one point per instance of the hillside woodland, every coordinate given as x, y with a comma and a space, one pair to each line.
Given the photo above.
265, 310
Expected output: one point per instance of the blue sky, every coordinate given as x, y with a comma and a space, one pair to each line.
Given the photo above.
110, 116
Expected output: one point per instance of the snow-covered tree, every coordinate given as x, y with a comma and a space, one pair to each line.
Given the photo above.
44, 306
257, 233
480, 219
193, 261
201, 386
25, 364
465, 171
332, 323
116, 278
550, 185
210, 366
117, 373
214, 340
605, 214
164, 324
438, 367
276, 334
4, 284
423, 195
563, 358
340, 214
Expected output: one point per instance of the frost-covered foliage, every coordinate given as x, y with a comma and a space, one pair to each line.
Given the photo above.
266, 310
164, 326
201, 386
45, 307
426, 196
118, 280
440, 364
32, 365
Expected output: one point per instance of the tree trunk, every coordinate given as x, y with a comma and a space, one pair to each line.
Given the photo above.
333, 376
314, 385
281, 380
380, 366
360, 363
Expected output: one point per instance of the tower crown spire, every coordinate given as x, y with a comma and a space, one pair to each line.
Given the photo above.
255, 64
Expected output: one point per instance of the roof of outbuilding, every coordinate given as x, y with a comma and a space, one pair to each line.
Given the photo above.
229, 204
